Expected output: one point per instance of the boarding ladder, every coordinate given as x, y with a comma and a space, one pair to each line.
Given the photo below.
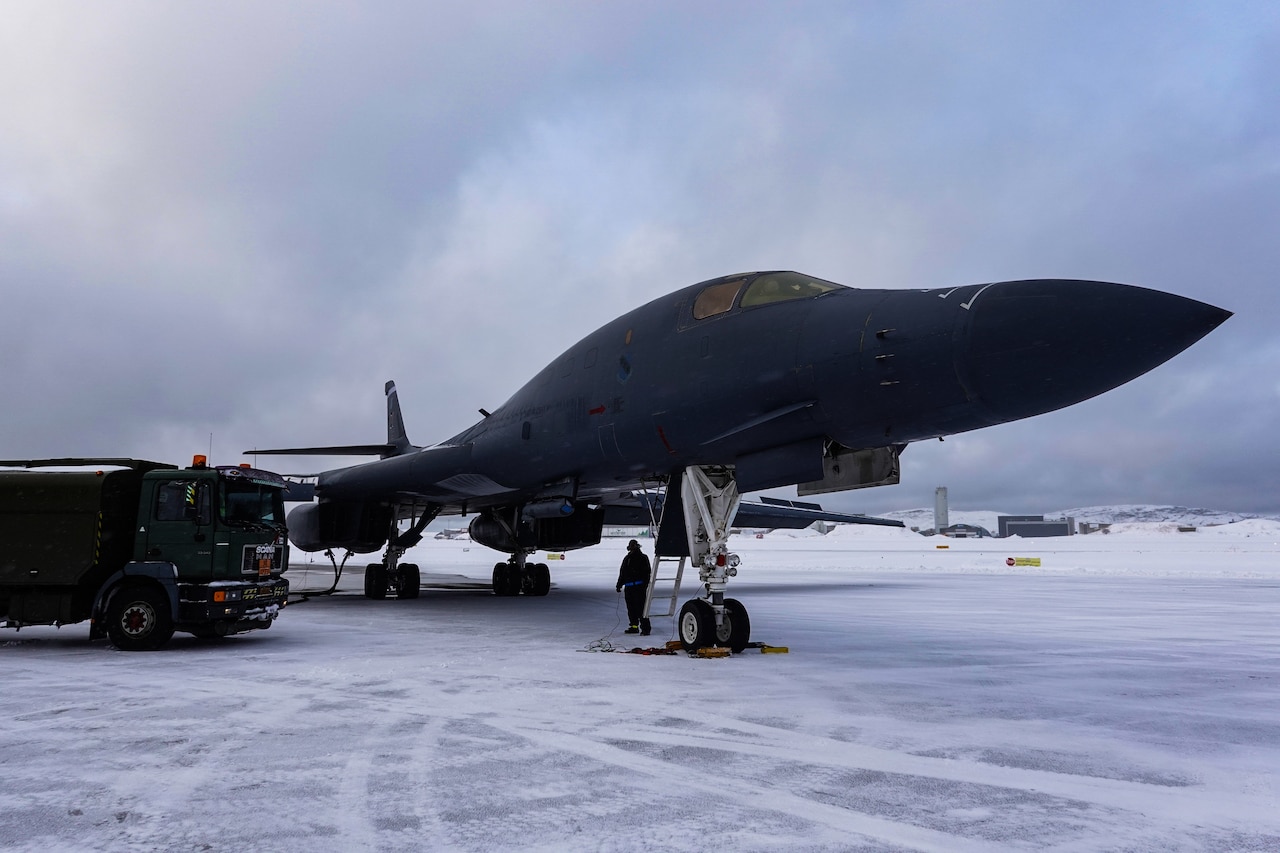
668, 594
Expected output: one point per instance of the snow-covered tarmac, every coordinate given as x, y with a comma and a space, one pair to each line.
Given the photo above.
1123, 696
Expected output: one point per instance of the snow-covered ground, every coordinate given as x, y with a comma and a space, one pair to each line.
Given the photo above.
1125, 695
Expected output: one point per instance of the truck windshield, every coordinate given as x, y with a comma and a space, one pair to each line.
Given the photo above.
250, 502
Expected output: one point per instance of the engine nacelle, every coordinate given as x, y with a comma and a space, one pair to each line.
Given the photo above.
358, 527
486, 530
579, 530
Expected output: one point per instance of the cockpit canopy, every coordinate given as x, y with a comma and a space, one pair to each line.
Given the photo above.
758, 289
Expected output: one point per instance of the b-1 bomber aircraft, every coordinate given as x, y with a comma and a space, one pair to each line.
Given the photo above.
669, 413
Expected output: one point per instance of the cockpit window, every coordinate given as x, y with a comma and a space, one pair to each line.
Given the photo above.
716, 299
783, 287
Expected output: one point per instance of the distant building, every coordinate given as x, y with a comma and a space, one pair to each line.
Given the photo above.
625, 532
1034, 526
965, 531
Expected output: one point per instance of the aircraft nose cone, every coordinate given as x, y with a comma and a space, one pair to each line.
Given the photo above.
1036, 346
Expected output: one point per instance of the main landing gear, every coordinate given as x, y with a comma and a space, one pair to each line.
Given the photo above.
404, 580
517, 575
710, 501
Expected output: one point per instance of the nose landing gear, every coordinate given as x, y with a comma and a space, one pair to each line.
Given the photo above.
709, 500
698, 628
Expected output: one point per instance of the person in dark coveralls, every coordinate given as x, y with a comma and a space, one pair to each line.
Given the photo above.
633, 582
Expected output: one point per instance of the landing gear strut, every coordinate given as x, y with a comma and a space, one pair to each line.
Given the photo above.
710, 501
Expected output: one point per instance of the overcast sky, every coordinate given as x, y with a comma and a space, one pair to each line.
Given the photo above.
240, 219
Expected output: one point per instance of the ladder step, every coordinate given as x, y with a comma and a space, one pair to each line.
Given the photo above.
657, 598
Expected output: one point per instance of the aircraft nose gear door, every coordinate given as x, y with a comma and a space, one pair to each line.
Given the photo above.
710, 501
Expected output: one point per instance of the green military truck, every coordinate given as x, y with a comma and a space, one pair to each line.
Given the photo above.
142, 549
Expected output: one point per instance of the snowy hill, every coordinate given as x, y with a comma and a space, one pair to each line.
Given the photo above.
1120, 514
1127, 513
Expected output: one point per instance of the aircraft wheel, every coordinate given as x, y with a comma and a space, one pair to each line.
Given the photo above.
375, 581
506, 579
735, 632
515, 579
139, 619
696, 625
540, 580
408, 581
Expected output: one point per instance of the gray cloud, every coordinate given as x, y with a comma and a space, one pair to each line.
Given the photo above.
240, 219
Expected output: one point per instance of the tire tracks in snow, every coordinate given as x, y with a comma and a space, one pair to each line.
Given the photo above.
841, 821
1179, 807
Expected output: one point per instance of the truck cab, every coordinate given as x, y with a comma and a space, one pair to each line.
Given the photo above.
144, 549
216, 524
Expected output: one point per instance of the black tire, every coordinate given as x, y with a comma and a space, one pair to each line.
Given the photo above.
696, 625
408, 581
140, 618
375, 581
506, 579
540, 583
735, 633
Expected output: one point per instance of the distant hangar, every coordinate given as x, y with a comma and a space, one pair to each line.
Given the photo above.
1034, 526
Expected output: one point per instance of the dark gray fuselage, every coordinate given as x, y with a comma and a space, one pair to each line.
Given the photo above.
767, 387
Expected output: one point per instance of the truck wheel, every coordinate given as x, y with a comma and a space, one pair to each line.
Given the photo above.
139, 619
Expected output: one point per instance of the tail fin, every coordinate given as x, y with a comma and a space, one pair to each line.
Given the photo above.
397, 438
397, 442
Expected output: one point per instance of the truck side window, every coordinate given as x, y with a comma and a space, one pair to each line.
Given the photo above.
183, 500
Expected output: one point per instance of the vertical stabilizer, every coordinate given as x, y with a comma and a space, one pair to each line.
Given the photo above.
397, 439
